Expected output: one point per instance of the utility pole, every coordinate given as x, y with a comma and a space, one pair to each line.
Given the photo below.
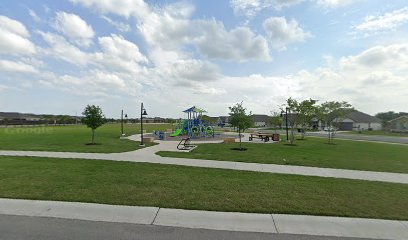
122, 124
287, 129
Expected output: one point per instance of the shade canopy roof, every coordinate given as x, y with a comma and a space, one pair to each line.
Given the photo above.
194, 109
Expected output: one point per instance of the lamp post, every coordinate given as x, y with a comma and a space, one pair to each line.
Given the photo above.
142, 113
286, 120
121, 123
123, 134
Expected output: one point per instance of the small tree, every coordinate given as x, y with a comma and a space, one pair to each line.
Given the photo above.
239, 119
331, 113
93, 118
291, 107
306, 111
275, 120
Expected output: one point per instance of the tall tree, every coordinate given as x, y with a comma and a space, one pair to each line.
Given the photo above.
93, 118
332, 113
239, 119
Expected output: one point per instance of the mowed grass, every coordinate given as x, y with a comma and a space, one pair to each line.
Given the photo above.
379, 133
75, 138
169, 186
314, 152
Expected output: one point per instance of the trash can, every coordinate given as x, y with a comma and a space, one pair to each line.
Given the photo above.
275, 137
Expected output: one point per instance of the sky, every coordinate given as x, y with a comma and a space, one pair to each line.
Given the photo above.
58, 56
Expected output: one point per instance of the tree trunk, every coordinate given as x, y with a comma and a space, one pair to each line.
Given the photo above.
292, 135
240, 143
93, 136
329, 135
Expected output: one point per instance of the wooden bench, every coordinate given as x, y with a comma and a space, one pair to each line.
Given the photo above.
229, 140
148, 139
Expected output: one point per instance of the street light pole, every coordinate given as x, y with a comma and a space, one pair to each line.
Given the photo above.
287, 130
142, 113
122, 123
141, 125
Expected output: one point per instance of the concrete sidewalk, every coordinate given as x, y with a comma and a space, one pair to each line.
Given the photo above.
231, 221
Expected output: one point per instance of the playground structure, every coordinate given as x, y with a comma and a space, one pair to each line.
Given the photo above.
194, 126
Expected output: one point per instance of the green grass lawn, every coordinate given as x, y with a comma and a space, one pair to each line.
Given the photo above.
381, 133
313, 152
144, 184
72, 138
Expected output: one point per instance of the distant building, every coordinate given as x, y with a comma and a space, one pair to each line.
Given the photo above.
399, 124
223, 120
359, 121
9, 116
260, 120
155, 120
15, 118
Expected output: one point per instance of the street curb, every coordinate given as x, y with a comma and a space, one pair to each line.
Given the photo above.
230, 221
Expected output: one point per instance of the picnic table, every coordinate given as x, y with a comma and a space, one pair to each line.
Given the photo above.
263, 136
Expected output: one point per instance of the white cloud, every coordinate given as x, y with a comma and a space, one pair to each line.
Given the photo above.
118, 47
14, 38
250, 8
170, 28
34, 15
123, 27
16, 67
75, 28
209, 36
117, 54
382, 23
282, 32
335, 3
373, 79
61, 49
94, 83
239, 44
195, 70
125, 8
120, 54
4, 88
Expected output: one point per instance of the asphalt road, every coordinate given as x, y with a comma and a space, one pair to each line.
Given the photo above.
363, 137
23, 227
375, 138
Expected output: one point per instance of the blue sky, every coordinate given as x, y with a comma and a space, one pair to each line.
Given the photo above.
58, 56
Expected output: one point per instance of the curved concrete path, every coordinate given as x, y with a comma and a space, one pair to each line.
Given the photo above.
148, 155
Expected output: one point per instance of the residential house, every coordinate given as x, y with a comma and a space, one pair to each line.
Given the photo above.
223, 121
260, 120
399, 124
359, 121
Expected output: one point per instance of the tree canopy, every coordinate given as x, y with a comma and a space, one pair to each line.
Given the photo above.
331, 113
239, 119
93, 118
